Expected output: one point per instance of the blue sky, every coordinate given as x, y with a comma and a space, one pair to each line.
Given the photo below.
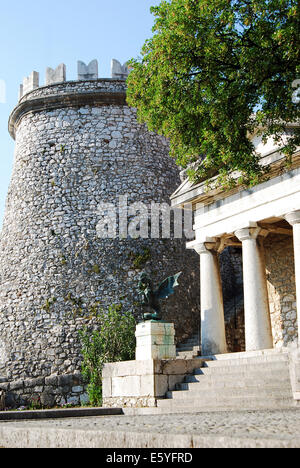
36, 34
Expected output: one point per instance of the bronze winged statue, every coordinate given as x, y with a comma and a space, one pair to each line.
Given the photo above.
151, 297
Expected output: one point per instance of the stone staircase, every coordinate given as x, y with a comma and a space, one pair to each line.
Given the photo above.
239, 381
189, 349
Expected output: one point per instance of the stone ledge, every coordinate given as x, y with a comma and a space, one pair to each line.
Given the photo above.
127, 368
152, 366
133, 383
58, 413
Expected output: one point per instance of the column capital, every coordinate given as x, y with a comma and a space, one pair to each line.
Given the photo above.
206, 246
293, 217
247, 233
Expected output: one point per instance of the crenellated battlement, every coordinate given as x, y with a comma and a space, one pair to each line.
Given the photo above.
67, 94
56, 76
84, 73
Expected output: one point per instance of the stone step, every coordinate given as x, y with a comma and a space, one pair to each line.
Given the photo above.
243, 404
237, 402
175, 409
186, 355
188, 348
230, 392
194, 342
194, 350
259, 359
247, 354
255, 379
274, 368
209, 383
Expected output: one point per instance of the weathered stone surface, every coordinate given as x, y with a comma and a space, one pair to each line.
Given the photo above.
281, 289
43, 391
16, 385
156, 352
80, 146
34, 382
238, 429
155, 340
47, 399
51, 380
87, 72
135, 381
119, 71
30, 83
55, 76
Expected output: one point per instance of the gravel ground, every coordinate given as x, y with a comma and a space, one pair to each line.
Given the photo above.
248, 428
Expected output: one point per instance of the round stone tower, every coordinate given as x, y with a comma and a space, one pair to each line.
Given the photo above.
79, 146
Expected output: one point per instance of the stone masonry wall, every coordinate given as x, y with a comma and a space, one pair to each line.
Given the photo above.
54, 269
231, 267
281, 288
45, 392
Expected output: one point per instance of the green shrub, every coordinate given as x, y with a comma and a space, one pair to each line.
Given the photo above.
114, 340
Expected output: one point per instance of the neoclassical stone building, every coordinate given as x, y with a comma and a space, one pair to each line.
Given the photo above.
264, 223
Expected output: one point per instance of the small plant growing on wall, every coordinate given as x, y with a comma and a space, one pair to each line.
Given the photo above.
49, 302
140, 259
113, 341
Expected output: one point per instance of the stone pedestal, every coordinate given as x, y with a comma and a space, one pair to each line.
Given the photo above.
155, 340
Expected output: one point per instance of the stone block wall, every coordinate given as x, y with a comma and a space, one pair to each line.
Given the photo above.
235, 329
280, 270
45, 392
295, 373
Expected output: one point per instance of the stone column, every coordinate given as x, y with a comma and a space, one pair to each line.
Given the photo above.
213, 338
294, 219
257, 314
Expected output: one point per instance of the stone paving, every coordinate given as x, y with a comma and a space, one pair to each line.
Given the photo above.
254, 429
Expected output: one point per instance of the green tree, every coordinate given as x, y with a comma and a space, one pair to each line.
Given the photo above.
113, 341
214, 71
